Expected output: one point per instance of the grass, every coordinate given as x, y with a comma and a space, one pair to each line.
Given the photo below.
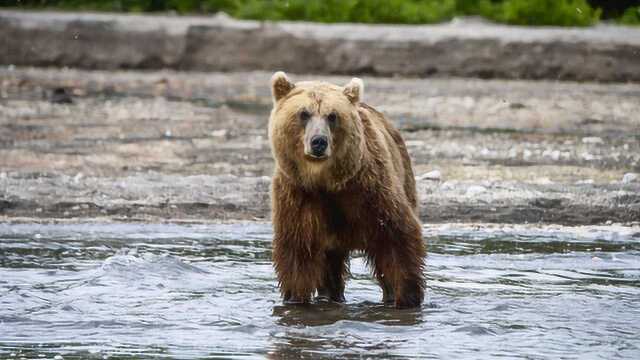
519, 12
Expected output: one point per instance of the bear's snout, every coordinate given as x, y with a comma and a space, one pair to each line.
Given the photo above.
319, 144
317, 139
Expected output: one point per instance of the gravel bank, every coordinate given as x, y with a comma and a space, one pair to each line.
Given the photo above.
192, 146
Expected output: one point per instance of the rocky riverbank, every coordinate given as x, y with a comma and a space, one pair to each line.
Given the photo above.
172, 146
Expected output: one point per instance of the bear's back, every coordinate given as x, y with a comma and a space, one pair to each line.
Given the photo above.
397, 149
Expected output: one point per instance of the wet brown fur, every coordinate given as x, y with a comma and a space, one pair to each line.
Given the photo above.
363, 198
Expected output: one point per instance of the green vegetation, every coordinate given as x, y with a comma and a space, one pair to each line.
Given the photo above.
547, 12
520, 12
631, 16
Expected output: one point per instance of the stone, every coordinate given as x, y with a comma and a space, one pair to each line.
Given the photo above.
629, 178
431, 175
475, 190
592, 140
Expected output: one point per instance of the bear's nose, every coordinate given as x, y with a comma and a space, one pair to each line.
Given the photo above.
319, 144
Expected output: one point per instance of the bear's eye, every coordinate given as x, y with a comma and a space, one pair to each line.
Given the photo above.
332, 118
304, 116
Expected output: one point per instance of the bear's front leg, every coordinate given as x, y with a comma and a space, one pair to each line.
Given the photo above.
298, 262
298, 250
299, 273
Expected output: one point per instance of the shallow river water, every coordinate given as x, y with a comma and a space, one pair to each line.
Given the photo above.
132, 291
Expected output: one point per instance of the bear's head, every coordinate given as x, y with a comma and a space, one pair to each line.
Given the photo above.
316, 133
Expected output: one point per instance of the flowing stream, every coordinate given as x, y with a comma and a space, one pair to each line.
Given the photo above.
137, 291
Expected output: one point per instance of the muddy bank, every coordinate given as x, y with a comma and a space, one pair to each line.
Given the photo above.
468, 48
193, 146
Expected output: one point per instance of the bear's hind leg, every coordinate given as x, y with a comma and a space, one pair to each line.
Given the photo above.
401, 283
388, 296
336, 271
398, 259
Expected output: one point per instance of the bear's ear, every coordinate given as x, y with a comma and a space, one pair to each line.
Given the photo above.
280, 85
354, 90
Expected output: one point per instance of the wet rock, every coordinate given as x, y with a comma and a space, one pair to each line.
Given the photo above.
630, 177
592, 140
475, 190
543, 181
220, 133
546, 203
60, 96
591, 121
434, 175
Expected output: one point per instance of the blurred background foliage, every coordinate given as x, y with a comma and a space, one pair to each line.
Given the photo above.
631, 16
520, 12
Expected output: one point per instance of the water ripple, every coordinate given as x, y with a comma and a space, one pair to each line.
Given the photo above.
132, 291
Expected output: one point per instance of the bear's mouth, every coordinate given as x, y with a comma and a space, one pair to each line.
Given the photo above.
316, 158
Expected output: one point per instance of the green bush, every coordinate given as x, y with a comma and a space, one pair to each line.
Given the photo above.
362, 11
631, 16
546, 12
520, 12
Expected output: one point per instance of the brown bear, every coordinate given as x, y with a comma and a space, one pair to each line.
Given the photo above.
343, 182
